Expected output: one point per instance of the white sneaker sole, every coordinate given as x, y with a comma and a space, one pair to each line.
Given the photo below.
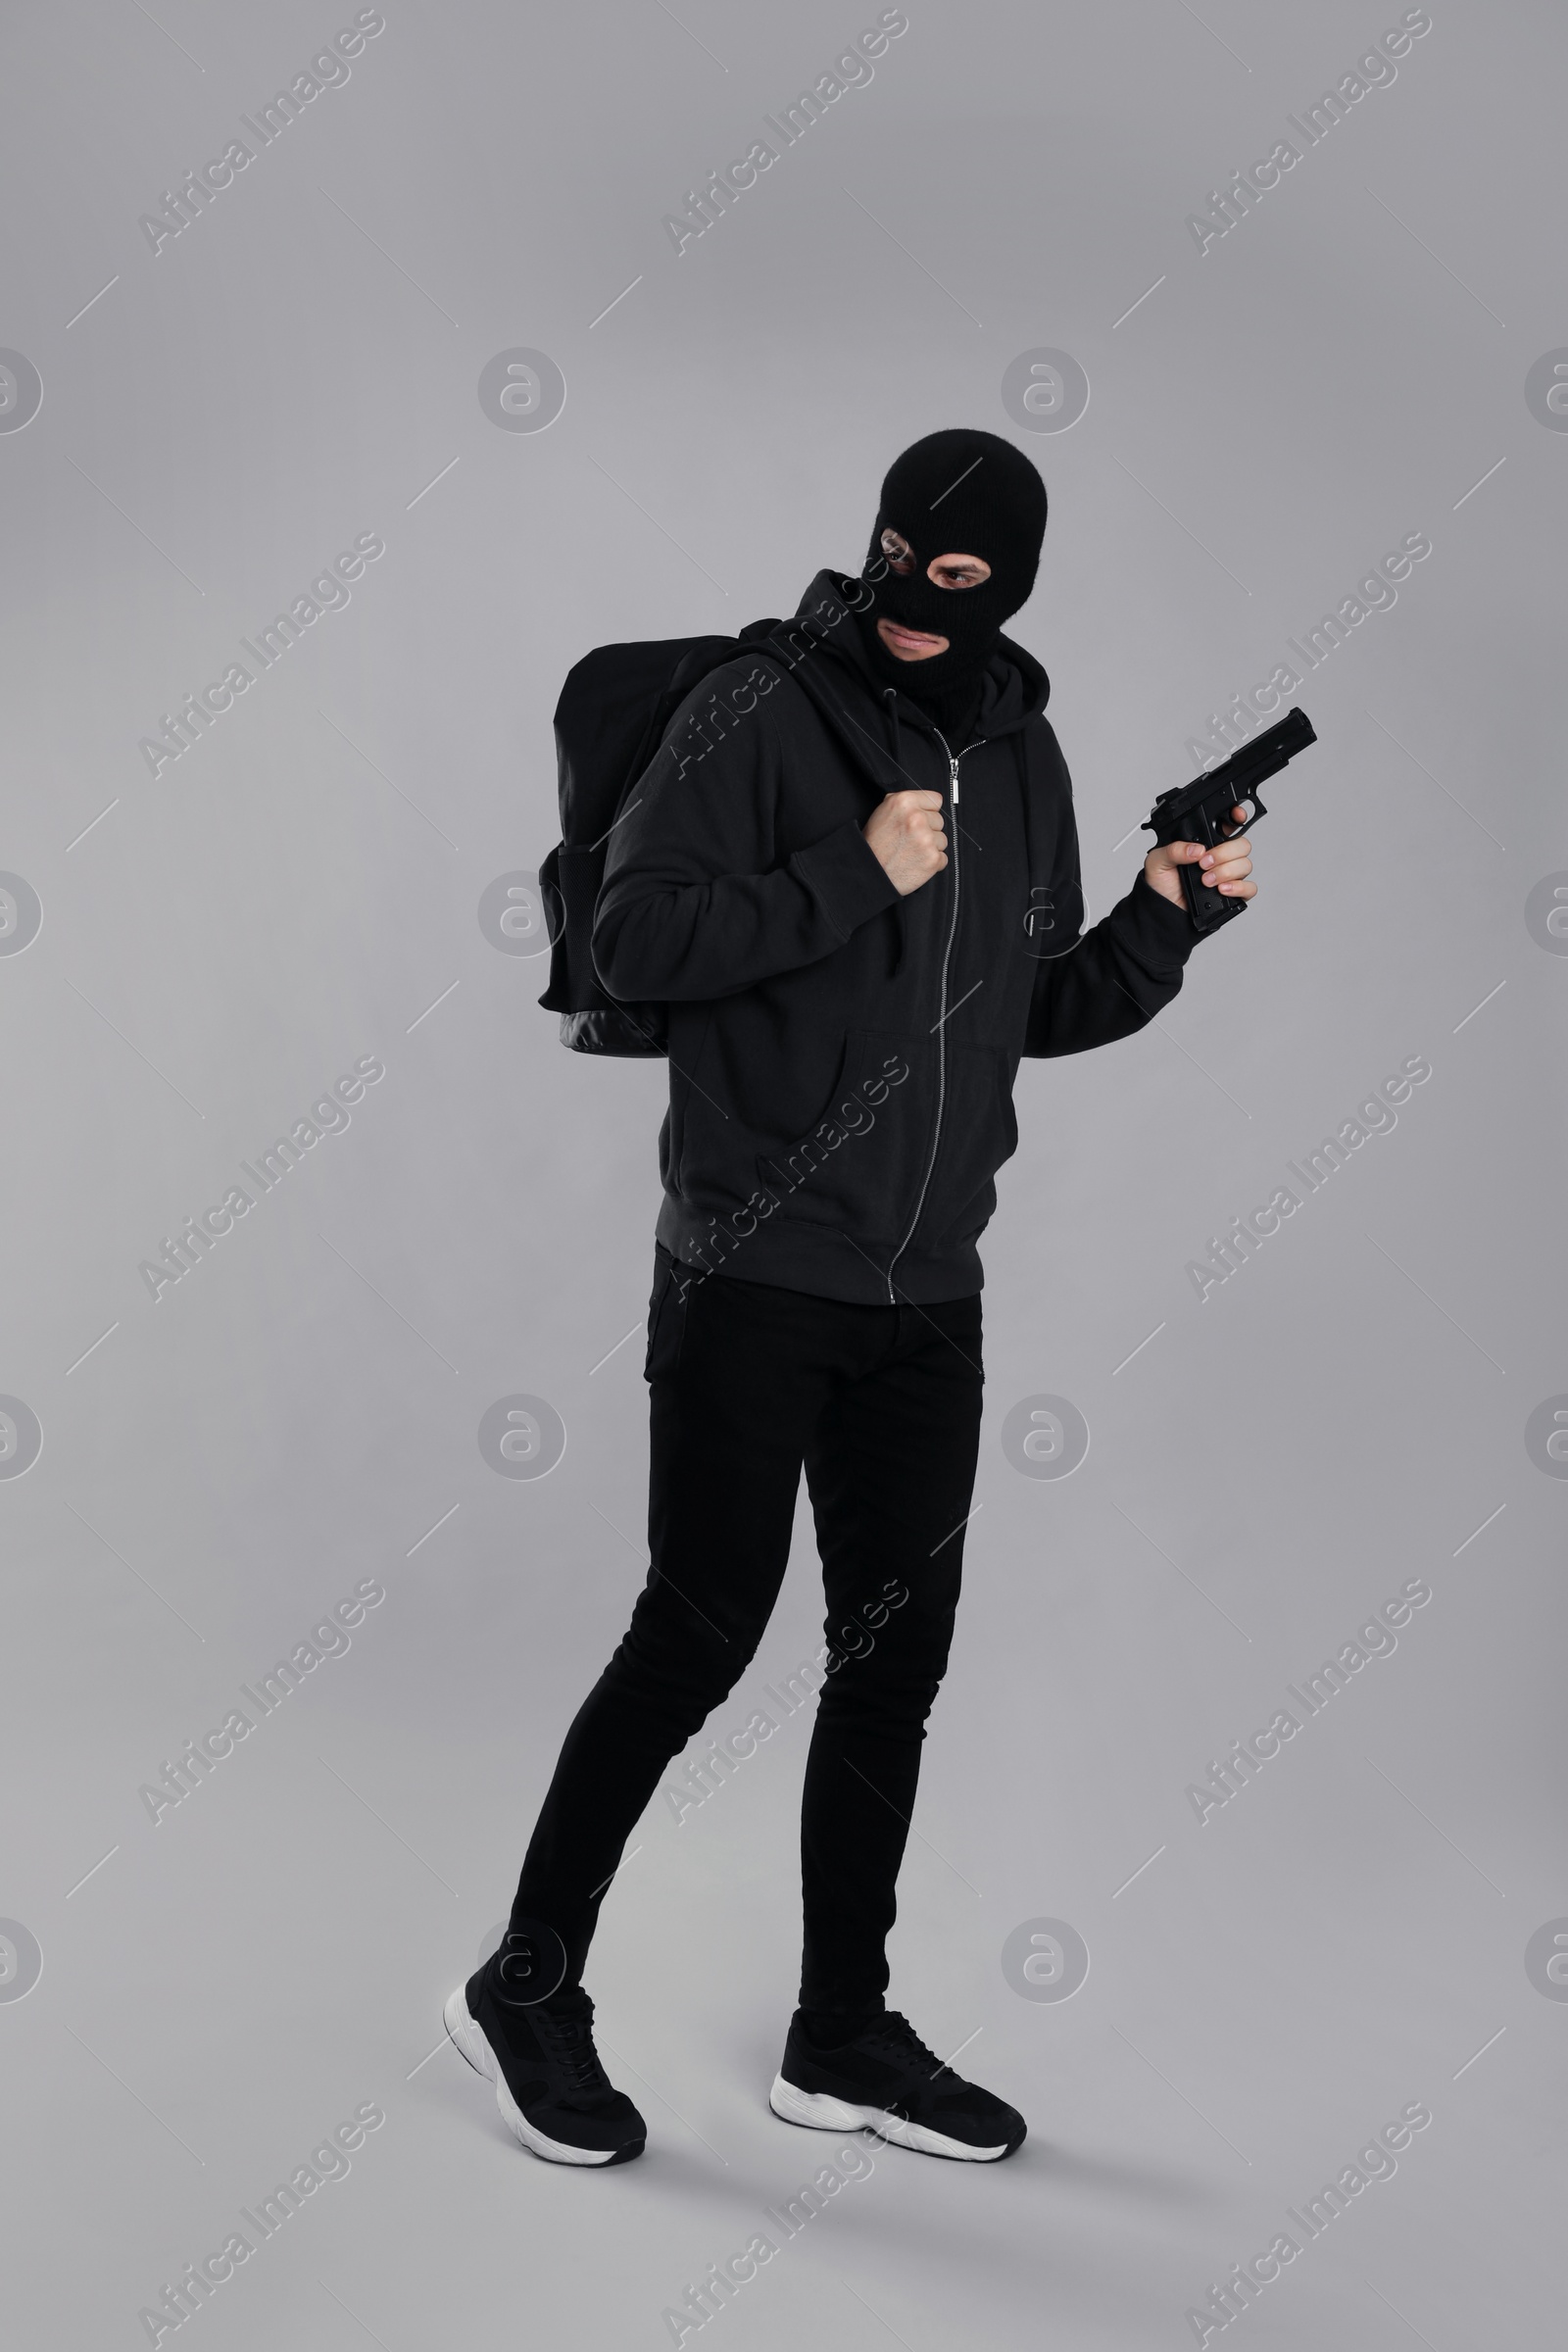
473, 2043
819, 2113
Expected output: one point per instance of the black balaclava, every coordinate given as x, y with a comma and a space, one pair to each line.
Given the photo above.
958, 492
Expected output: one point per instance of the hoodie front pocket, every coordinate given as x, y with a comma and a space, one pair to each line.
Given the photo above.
859, 1166
979, 1131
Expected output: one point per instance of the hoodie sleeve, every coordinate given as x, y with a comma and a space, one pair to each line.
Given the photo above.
697, 900
1121, 973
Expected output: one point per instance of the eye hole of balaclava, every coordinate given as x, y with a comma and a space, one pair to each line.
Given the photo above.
958, 492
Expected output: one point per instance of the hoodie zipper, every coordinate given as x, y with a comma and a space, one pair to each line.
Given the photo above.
942, 1023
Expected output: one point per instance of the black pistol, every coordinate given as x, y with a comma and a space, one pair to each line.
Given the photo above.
1201, 810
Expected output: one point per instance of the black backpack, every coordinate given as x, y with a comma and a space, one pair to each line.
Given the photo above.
610, 718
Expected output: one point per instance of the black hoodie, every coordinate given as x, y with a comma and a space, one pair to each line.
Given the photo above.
842, 1060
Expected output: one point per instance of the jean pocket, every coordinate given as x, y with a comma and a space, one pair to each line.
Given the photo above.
666, 1316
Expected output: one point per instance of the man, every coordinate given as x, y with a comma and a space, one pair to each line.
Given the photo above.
852, 874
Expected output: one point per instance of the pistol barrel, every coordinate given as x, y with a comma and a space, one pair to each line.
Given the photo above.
1254, 764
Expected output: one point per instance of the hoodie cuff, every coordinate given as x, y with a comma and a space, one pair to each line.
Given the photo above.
1161, 935
846, 877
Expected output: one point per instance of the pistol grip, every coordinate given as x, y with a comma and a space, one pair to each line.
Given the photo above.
1206, 906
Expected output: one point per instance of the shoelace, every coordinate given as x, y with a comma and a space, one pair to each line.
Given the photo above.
900, 2036
571, 2041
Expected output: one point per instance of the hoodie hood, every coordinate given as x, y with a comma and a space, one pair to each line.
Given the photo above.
828, 659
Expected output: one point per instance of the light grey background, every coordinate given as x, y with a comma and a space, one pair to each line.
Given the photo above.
301, 888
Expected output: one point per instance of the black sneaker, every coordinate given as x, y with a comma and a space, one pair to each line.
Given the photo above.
549, 2085
886, 2081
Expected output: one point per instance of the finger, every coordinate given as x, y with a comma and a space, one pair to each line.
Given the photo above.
1234, 867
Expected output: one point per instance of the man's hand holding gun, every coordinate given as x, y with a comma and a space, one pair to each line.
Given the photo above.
1202, 855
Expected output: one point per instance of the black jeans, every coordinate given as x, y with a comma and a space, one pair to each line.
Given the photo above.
882, 1405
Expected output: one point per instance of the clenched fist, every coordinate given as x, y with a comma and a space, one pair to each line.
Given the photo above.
907, 838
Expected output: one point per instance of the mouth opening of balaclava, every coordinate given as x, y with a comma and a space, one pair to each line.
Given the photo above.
958, 492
